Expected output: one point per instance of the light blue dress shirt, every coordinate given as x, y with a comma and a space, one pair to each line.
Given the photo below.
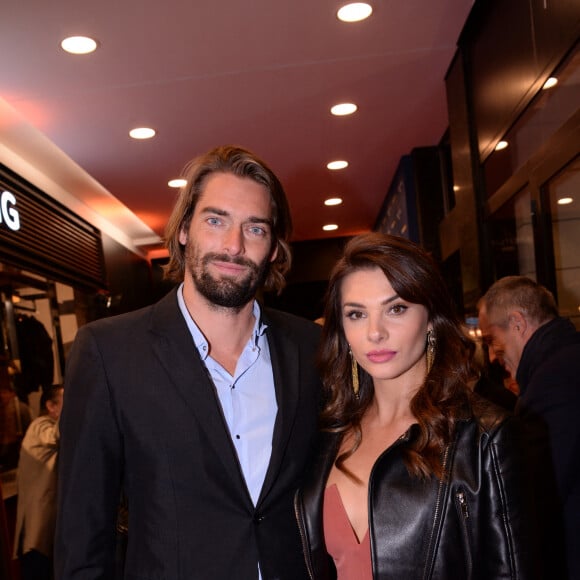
248, 398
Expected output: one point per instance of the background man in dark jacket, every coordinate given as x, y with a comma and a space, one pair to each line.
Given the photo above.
520, 323
202, 408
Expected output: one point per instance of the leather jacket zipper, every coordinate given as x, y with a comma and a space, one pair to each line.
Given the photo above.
302, 527
430, 561
463, 504
465, 525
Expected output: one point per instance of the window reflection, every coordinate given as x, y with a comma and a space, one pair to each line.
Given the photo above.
565, 219
512, 238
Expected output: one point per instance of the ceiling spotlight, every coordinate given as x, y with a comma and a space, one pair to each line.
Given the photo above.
551, 82
79, 45
330, 227
337, 165
501, 145
354, 12
177, 182
142, 133
565, 201
343, 109
333, 201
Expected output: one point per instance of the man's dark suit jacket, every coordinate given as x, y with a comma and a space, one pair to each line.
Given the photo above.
141, 414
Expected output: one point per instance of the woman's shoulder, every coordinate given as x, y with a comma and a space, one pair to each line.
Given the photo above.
495, 432
490, 419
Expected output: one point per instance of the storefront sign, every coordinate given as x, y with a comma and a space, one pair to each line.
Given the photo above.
9, 215
39, 234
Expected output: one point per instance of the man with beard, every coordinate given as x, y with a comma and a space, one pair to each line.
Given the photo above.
201, 409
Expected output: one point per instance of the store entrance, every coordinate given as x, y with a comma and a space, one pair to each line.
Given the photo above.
37, 322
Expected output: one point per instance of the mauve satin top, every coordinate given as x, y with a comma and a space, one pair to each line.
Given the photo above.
351, 558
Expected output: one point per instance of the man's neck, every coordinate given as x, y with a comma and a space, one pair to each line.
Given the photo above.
227, 330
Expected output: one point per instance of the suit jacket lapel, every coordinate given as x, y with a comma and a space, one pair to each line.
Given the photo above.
177, 353
285, 366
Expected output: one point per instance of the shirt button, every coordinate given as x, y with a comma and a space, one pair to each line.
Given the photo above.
237, 436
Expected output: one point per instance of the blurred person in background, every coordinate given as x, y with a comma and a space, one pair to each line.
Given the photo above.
493, 382
15, 417
521, 325
37, 488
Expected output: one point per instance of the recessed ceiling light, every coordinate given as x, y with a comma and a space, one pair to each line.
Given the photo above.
551, 82
337, 165
142, 133
79, 45
501, 145
565, 200
343, 109
177, 182
354, 12
330, 227
333, 201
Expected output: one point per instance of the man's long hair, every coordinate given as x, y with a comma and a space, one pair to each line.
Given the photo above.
241, 163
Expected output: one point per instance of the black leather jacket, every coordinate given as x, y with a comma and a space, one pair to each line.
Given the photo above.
476, 524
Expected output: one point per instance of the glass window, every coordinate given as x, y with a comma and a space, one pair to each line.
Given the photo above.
563, 193
512, 238
548, 111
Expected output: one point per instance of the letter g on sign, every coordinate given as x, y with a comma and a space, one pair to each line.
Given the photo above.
8, 212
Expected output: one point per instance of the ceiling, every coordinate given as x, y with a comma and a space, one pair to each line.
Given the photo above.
261, 73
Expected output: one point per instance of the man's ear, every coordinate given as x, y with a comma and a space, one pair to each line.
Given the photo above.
274, 253
517, 322
182, 237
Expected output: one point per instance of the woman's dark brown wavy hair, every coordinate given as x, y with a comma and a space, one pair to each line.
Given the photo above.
445, 395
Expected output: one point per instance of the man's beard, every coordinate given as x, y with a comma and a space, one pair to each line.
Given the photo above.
225, 292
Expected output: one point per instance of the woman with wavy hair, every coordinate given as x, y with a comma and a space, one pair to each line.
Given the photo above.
415, 476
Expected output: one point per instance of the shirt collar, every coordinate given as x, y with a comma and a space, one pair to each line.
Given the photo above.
198, 337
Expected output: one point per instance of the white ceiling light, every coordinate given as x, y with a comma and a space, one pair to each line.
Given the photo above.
177, 182
142, 133
79, 45
565, 200
337, 165
354, 12
330, 227
343, 109
501, 145
333, 201
551, 82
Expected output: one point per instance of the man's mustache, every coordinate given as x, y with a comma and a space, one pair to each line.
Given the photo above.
238, 260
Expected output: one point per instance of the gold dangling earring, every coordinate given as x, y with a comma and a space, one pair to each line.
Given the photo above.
431, 343
354, 370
